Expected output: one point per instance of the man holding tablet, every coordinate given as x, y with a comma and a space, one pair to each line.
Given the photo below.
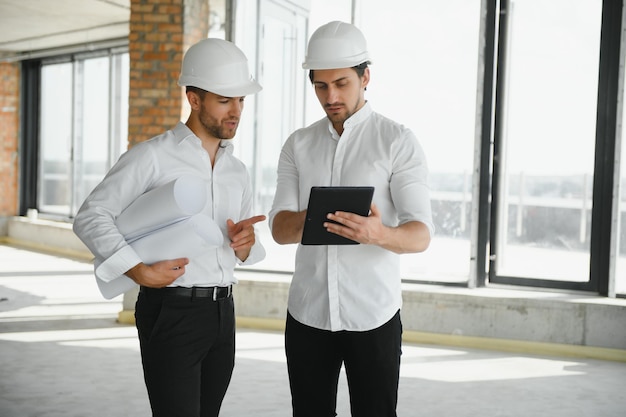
344, 301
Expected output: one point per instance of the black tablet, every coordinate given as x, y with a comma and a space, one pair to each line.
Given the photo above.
324, 200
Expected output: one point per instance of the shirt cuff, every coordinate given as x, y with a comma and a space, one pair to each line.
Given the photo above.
117, 264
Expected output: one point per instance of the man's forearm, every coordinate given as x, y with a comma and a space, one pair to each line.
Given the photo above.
287, 227
412, 237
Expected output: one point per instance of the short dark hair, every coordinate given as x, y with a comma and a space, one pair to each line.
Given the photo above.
200, 92
360, 70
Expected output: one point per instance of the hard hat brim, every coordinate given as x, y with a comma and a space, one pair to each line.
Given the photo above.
324, 65
239, 90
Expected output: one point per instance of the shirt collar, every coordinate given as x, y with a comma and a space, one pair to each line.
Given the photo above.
182, 133
359, 117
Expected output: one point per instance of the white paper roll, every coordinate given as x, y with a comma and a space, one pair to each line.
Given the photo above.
161, 206
165, 223
187, 238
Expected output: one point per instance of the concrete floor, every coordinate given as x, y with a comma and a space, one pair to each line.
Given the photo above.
63, 354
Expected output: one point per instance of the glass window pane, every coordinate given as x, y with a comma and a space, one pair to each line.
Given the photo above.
84, 128
544, 214
277, 110
424, 75
278, 78
413, 82
119, 107
55, 139
619, 286
92, 126
620, 275
217, 19
287, 99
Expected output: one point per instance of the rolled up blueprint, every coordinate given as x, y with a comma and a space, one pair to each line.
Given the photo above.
186, 238
164, 223
162, 206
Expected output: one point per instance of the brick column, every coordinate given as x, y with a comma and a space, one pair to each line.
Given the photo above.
9, 134
160, 32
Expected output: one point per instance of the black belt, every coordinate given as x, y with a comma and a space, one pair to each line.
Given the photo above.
216, 293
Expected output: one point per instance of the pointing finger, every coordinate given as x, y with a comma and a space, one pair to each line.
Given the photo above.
252, 220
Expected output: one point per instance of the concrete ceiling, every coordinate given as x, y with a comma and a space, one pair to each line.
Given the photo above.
34, 25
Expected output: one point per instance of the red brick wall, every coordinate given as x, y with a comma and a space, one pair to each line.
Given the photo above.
160, 31
9, 125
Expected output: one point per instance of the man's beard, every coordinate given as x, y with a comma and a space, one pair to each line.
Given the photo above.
218, 131
212, 127
343, 116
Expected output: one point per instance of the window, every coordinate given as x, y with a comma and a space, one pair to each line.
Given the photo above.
83, 127
55, 138
544, 146
620, 275
531, 205
424, 75
287, 101
547, 94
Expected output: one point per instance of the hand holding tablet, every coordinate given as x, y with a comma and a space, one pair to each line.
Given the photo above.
324, 200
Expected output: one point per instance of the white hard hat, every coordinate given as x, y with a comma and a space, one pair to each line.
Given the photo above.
336, 45
218, 66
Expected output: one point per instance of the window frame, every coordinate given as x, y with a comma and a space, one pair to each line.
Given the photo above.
603, 182
30, 169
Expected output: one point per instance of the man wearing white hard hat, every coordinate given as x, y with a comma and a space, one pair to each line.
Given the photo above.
345, 300
185, 312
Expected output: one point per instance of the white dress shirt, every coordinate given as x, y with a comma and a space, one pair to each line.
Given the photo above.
154, 163
352, 287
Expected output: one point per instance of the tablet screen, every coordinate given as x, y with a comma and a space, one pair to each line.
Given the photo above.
324, 200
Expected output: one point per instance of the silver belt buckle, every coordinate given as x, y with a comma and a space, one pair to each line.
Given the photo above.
214, 293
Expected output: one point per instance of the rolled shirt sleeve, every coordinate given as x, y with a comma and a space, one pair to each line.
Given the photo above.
95, 222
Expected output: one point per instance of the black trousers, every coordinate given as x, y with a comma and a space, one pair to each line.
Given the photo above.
371, 360
187, 350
